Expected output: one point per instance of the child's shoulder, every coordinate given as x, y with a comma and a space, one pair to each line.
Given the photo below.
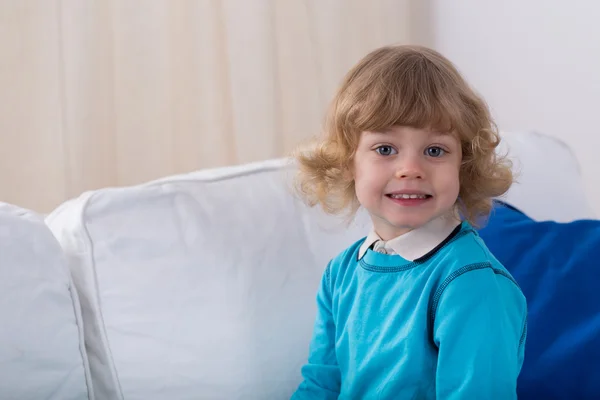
468, 252
467, 266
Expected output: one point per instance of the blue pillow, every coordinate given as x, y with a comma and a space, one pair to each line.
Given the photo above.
557, 266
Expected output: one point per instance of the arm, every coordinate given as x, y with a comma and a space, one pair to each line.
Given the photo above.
321, 374
479, 327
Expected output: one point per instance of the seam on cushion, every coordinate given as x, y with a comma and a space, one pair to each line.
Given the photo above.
75, 305
80, 332
77, 313
104, 336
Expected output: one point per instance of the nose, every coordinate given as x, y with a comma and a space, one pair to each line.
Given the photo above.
410, 168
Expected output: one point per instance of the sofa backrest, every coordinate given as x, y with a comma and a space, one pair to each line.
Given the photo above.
42, 355
202, 286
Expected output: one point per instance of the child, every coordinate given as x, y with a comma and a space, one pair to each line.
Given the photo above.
419, 309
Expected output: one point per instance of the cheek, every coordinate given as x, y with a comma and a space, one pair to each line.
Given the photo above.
363, 186
451, 180
367, 185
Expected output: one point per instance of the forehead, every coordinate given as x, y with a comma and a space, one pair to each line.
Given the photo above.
408, 132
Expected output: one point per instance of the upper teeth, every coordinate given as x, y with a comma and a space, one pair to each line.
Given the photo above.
408, 196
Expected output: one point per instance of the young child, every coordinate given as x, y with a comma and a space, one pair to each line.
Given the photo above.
420, 308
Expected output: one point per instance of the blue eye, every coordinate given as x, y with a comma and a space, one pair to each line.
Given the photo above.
435, 151
386, 150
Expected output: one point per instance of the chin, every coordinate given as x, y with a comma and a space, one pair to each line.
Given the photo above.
409, 224
411, 220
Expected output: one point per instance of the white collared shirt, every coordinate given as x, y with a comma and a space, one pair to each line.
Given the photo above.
414, 244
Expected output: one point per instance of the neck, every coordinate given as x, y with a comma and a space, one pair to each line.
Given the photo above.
450, 216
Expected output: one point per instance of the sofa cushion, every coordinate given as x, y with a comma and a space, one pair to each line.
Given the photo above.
556, 265
198, 290
549, 184
202, 286
41, 341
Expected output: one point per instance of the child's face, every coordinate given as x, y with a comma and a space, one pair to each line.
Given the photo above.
406, 162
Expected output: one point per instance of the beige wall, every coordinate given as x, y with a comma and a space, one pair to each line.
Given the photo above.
104, 93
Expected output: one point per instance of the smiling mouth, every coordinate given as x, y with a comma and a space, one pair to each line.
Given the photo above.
406, 196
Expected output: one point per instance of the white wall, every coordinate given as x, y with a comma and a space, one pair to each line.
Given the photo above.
536, 62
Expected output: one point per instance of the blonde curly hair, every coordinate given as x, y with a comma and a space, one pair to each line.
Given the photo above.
408, 86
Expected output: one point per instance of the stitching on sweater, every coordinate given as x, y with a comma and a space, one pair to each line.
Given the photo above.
456, 274
412, 264
524, 333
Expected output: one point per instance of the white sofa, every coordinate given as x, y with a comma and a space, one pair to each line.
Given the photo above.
42, 355
198, 286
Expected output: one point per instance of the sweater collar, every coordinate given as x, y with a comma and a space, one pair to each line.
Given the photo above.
416, 243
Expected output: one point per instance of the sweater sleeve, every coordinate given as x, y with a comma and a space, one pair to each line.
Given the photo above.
321, 375
479, 327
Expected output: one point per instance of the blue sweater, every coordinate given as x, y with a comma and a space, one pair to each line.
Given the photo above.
450, 325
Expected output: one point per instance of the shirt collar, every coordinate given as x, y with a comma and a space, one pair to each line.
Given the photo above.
418, 242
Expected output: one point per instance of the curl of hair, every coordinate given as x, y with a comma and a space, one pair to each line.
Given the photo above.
404, 86
324, 177
484, 175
